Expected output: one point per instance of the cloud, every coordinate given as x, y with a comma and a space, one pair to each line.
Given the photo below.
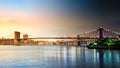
6, 20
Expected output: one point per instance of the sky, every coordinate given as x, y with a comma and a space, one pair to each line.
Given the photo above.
58, 17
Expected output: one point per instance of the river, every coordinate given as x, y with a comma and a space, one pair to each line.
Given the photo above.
57, 57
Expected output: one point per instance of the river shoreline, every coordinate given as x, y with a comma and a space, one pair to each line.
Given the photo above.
103, 47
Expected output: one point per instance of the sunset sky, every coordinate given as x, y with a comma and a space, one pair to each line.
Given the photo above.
58, 17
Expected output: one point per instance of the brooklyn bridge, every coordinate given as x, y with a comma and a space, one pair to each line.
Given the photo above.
80, 39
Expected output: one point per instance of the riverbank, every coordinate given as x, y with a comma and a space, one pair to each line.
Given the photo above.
103, 47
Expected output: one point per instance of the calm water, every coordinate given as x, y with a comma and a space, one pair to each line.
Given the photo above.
57, 57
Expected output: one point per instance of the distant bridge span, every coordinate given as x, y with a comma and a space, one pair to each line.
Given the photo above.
71, 38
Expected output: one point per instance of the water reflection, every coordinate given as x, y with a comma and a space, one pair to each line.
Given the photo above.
57, 57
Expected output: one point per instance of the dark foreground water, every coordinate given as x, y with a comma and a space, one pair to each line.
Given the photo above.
57, 57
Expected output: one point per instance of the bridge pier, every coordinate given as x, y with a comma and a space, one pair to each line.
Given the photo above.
16, 42
78, 40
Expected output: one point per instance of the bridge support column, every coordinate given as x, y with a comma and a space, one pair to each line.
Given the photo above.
101, 33
118, 37
78, 40
17, 38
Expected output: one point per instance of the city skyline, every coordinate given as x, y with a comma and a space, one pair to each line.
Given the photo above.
57, 17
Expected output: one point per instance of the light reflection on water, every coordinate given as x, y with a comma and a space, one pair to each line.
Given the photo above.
57, 57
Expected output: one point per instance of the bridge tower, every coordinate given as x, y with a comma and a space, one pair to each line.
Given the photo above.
101, 32
16, 38
25, 36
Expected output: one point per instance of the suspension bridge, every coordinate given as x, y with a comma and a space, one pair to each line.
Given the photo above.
86, 37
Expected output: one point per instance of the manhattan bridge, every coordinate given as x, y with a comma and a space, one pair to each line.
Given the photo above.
82, 38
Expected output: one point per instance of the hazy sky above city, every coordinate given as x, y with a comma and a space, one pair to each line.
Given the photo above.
58, 17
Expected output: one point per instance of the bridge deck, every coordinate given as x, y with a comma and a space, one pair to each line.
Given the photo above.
69, 38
